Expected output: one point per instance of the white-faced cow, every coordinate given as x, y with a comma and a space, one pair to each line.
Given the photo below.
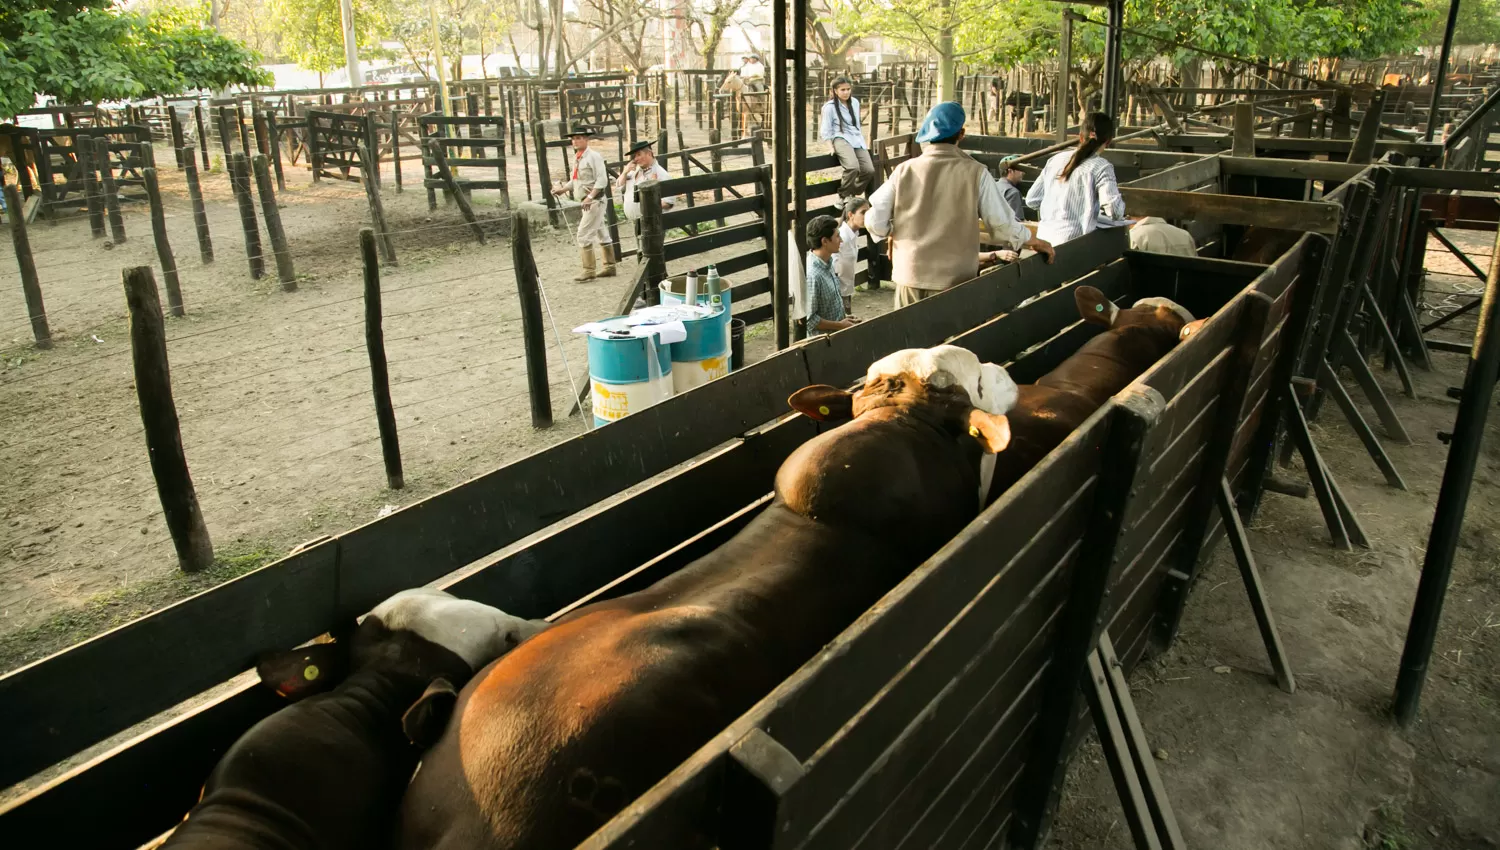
558, 736
1047, 411
328, 771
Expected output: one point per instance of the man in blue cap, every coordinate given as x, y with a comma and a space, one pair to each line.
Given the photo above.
1009, 185
928, 208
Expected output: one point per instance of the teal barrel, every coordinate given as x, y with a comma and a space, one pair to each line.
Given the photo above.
624, 375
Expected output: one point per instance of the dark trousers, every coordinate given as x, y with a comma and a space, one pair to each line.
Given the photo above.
859, 168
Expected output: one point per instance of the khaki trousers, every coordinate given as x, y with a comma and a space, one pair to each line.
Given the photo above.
909, 295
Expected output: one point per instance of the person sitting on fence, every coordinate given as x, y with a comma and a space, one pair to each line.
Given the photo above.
927, 209
589, 181
846, 262
1010, 187
753, 73
1151, 233
643, 169
1077, 192
840, 125
825, 309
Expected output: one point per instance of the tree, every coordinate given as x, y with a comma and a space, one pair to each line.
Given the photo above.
950, 30
1478, 22
624, 24
13, 13
311, 32
96, 55
710, 21
833, 48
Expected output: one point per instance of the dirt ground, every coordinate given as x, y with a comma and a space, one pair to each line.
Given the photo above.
1248, 767
272, 388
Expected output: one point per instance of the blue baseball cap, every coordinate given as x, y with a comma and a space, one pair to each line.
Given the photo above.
942, 121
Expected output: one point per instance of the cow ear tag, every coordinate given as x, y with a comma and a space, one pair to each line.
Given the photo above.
823, 403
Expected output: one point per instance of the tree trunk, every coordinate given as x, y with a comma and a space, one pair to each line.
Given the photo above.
947, 66
711, 44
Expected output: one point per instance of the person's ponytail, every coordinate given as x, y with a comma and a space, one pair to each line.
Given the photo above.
1097, 131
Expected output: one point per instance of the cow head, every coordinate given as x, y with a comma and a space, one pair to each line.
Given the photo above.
1157, 314
918, 451
422, 635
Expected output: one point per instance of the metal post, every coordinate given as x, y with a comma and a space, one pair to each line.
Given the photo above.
1453, 496
799, 131
1064, 67
780, 178
1437, 83
1111, 72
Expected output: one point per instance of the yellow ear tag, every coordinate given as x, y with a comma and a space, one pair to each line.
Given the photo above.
823, 409
974, 431
310, 672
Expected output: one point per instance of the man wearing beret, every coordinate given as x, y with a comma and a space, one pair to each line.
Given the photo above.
643, 169
927, 209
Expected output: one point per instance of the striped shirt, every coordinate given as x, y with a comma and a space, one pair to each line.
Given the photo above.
823, 301
1069, 210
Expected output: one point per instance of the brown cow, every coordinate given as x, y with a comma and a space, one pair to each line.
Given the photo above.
1264, 244
1048, 410
554, 739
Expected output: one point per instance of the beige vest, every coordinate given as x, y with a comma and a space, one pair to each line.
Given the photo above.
934, 219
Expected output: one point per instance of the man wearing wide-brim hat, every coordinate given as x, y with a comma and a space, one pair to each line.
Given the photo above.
927, 209
643, 169
587, 184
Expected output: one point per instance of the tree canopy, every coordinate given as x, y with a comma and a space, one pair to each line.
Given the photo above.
93, 54
1478, 22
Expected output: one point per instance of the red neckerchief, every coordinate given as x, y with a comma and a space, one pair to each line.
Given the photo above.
577, 158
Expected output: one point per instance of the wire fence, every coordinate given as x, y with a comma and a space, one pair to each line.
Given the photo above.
273, 394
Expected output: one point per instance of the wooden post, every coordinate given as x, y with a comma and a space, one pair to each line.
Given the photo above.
111, 191
377, 208
30, 285
200, 215
653, 238
202, 134
1064, 68
380, 380
163, 248
262, 142
314, 151
1363, 149
440, 162
1244, 129
83, 151
284, 270
153, 387
275, 133
239, 180
532, 329
1341, 104
178, 141
396, 148
224, 133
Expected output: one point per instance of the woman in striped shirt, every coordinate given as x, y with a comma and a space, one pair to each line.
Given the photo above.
1077, 191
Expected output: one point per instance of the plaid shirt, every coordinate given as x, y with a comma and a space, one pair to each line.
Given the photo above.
823, 300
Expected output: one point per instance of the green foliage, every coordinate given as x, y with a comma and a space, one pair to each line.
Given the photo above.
312, 31
1478, 22
13, 13
95, 55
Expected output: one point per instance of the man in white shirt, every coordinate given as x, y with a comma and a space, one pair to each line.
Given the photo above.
1151, 233
588, 181
643, 169
753, 73
927, 208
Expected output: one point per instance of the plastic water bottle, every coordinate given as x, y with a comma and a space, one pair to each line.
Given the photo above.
715, 288
690, 293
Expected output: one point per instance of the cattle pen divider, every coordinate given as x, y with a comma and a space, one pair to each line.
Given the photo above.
84, 694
